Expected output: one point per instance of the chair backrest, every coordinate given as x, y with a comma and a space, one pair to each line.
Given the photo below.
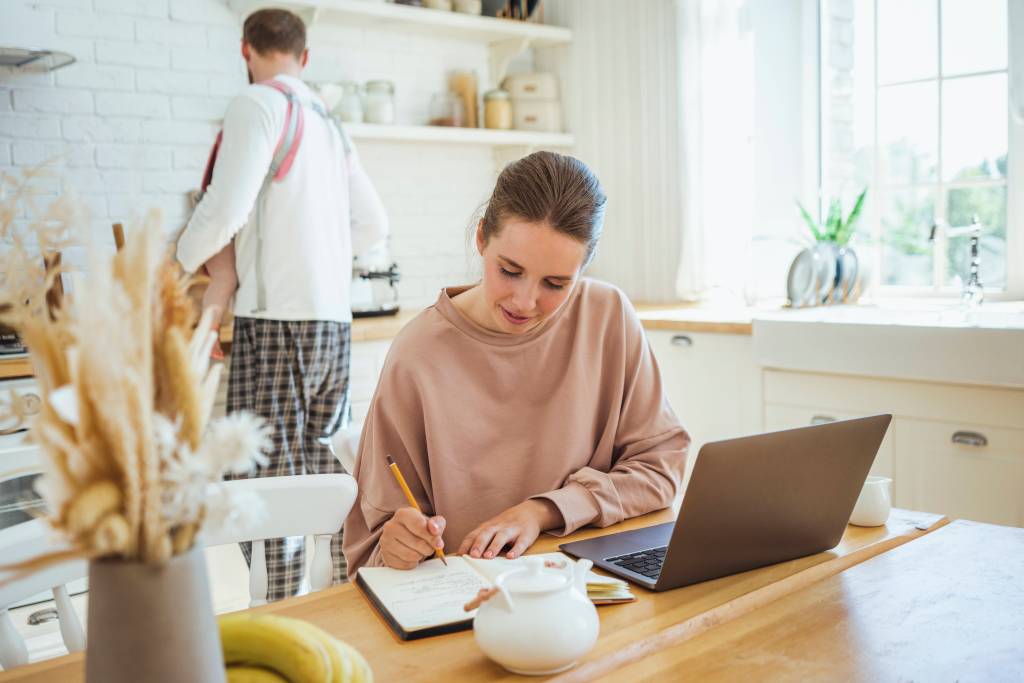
301, 505
22, 542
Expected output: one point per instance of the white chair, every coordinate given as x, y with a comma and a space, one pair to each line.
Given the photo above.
21, 542
302, 505
345, 444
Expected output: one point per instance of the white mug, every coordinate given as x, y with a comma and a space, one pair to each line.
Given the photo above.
874, 503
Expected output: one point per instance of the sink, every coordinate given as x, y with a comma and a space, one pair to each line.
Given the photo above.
934, 341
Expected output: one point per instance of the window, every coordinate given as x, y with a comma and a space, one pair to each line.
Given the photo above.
916, 105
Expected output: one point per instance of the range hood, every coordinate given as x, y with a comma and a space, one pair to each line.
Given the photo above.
29, 59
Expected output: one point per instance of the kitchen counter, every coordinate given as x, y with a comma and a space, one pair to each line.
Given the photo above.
682, 317
363, 329
699, 317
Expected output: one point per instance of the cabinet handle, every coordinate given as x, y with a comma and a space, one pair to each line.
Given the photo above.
682, 340
970, 439
822, 419
42, 616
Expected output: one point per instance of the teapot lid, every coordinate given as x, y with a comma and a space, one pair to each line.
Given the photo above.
534, 578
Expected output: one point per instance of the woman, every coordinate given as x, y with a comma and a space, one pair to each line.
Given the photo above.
529, 402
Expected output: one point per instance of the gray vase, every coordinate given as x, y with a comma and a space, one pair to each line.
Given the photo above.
152, 624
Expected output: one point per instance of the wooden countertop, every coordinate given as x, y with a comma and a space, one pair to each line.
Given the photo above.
344, 612
697, 318
947, 607
363, 329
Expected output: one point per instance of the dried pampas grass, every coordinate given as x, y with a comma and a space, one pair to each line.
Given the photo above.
127, 386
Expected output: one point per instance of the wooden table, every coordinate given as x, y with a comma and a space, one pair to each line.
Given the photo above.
948, 607
344, 612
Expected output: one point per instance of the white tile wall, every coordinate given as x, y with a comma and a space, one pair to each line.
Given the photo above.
129, 125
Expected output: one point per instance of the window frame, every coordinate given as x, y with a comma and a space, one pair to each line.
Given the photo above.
1014, 181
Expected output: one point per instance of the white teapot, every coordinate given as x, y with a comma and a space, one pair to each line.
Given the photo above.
540, 621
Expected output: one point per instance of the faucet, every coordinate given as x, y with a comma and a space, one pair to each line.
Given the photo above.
972, 292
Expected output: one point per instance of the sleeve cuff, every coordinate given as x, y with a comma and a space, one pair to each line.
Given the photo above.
576, 504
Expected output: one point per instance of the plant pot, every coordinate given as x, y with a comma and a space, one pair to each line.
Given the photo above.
153, 624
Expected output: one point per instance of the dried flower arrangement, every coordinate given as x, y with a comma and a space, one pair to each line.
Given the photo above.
131, 452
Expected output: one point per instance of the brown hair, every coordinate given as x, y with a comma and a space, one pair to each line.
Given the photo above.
551, 188
275, 30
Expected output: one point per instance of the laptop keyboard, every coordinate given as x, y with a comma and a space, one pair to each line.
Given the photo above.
646, 562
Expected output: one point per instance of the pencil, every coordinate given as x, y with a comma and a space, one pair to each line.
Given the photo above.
412, 501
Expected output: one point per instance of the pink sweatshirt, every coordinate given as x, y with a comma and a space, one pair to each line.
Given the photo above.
477, 421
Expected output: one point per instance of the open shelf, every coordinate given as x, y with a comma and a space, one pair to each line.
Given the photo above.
419, 20
470, 136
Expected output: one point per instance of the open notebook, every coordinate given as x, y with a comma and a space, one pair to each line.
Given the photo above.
427, 601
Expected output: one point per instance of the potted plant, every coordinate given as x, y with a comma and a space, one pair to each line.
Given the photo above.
132, 456
839, 271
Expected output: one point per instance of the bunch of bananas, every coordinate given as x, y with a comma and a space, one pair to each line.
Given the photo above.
263, 648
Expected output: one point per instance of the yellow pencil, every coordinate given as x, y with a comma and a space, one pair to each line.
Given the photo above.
412, 501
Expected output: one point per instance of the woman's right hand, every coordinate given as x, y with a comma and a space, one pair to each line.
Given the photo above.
409, 536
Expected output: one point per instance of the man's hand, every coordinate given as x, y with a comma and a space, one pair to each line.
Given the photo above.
409, 536
519, 525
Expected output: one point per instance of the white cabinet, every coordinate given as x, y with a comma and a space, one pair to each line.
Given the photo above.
951, 449
964, 470
712, 384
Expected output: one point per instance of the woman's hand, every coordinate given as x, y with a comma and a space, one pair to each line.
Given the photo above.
409, 536
519, 525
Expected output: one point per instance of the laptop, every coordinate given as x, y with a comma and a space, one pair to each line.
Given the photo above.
751, 502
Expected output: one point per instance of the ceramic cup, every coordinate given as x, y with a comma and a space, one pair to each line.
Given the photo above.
874, 503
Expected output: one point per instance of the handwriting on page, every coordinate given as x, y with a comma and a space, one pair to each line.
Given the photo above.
434, 598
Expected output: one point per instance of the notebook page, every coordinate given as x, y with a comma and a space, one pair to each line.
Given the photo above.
429, 595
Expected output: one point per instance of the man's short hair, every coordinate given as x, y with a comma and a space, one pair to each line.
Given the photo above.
275, 30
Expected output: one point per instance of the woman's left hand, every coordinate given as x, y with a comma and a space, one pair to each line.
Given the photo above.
519, 525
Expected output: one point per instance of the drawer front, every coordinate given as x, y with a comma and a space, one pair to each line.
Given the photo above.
930, 401
963, 470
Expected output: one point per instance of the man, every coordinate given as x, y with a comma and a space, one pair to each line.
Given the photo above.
298, 205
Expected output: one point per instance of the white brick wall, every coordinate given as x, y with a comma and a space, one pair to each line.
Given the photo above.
129, 126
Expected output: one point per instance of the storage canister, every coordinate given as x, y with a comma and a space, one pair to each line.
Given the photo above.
380, 102
536, 86
497, 110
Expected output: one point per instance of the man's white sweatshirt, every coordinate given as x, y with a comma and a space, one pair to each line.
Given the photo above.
312, 222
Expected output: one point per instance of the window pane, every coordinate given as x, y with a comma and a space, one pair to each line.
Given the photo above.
989, 204
908, 133
974, 35
908, 45
906, 254
975, 127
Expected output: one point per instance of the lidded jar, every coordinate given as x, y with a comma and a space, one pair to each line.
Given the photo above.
497, 109
380, 102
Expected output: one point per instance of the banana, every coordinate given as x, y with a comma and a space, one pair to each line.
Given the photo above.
341, 665
253, 674
361, 672
274, 643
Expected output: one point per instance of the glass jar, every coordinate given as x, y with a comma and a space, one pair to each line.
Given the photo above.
380, 102
446, 109
497, 110
350, 107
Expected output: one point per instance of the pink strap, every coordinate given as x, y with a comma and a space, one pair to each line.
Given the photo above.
293, 108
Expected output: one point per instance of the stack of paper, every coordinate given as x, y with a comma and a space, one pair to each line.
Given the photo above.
606, 590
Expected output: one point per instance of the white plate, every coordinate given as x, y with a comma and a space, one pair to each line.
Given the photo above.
802, 284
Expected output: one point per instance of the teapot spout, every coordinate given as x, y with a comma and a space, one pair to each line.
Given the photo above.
580, 573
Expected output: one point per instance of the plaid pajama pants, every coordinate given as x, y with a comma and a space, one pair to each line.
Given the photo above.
295, 375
